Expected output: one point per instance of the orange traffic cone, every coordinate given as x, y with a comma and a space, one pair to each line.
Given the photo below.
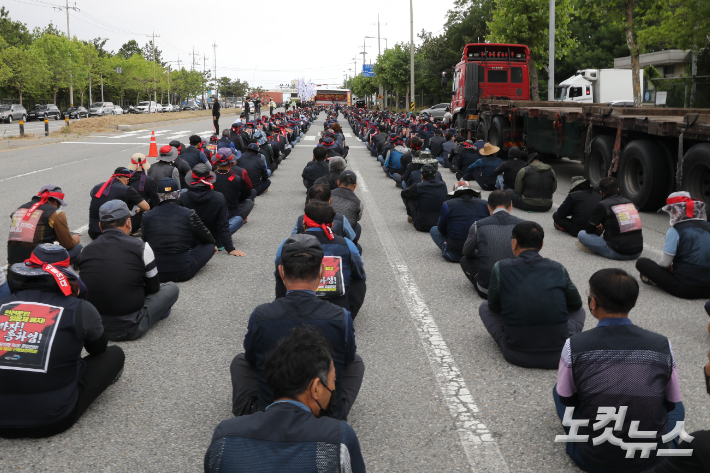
153, 152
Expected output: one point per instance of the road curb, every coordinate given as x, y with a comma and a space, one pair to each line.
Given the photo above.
11, 144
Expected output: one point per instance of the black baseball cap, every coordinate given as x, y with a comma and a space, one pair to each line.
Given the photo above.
347, 177
301, 247
168, 184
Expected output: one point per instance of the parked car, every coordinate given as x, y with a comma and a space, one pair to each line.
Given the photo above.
100, 109
437, 111
191, 105
147, 107
168, 107
40, 111
117, 110
11, 112
75, 112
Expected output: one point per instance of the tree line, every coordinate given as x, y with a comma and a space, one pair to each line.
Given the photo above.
589, 34
39, 66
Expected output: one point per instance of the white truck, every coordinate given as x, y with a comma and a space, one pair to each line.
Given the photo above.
598, 86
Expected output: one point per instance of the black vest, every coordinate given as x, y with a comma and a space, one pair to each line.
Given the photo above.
23, 239
538, 184
692, 259
34, 398
161, 170
629, 243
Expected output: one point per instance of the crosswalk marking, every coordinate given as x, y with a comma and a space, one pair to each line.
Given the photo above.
309, 138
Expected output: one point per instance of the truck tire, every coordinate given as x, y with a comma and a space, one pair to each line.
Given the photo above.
597, 163
496, 134
481, 129
696, 172
643, 174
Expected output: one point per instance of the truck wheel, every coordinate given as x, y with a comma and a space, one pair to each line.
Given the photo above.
643, 174
481, 129
696, 172
496, 134
597, 163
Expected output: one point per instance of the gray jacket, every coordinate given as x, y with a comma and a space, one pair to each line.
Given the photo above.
347, 203
489, 241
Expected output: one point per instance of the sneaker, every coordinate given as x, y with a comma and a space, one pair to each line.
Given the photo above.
580, 246
221, 248
645, 280
557, 227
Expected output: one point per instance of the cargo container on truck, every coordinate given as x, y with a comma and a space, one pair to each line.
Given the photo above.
652, 151
598, 86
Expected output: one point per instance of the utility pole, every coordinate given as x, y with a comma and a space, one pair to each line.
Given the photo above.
204, 69
411, 50
193, 59
66, 7
379, 52
155, 89
216, 84
551, 57
355, 66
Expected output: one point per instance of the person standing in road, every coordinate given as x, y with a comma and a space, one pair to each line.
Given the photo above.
41, 221
272, 106
216, 107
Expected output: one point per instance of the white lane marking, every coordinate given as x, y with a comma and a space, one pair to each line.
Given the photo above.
81, 229
309, 138
646, 246
100, 143
347, 135
65, 164
480, 447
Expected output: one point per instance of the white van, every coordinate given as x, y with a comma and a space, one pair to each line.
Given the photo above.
147, 107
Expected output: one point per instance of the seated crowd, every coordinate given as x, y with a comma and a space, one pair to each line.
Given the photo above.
294, 385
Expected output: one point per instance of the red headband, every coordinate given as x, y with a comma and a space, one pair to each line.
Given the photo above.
310, 223
59, 276
202, 180
689, 204
43, 200
107, 185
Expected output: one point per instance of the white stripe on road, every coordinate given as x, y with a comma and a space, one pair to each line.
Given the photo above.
81, 229
62, 165
480, 447
347, 135
100, 143
309, 138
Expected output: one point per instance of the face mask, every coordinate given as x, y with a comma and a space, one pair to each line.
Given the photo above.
330, 409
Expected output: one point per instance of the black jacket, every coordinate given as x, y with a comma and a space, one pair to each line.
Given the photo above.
578, 206
211, 207
312, 171
253, 163
171, 230
233, 188
427, 197
510, 169
436, 145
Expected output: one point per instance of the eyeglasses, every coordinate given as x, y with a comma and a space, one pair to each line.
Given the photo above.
326, 387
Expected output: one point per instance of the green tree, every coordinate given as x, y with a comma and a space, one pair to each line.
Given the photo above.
14, 33
129, 49
58, 52
527, 22
28, 70
392, 69
622, 13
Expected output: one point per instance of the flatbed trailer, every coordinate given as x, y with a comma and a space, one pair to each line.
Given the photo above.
652, 151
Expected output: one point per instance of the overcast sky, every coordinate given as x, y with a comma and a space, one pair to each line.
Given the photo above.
265, 43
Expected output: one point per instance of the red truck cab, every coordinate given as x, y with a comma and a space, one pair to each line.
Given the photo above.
488, 70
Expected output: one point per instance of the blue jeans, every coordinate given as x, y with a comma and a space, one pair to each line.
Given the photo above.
381, 159
440, 241
499, 182
600, 247
235, 223
4, 291
676, 415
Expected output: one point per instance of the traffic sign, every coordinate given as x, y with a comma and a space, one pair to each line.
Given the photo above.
411, 106
367, 70
379, 97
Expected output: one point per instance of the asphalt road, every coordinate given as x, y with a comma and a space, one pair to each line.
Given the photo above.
427, 354
35, 127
